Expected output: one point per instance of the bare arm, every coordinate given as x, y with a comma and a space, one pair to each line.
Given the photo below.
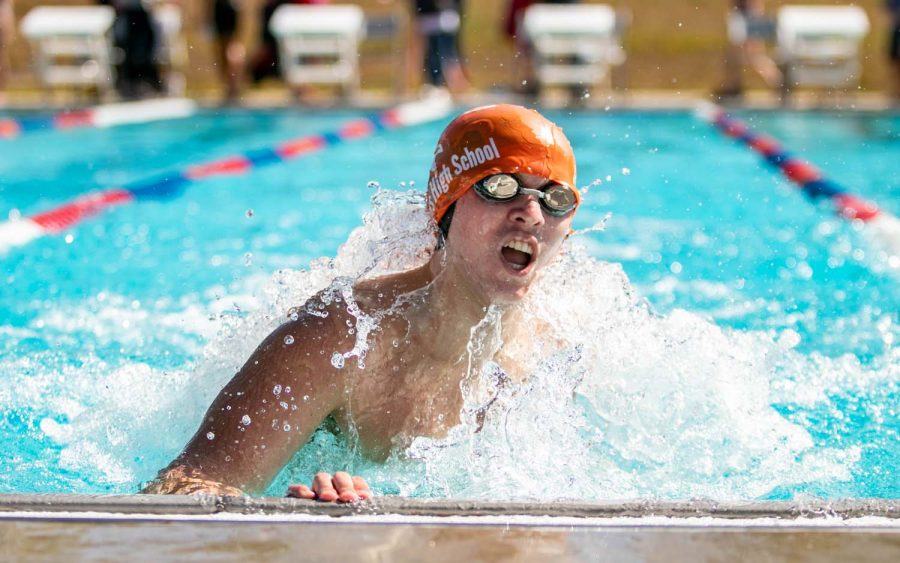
263, 415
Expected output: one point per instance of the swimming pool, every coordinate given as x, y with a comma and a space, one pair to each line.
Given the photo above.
744, 349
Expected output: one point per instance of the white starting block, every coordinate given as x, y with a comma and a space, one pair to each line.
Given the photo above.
819, 45
573, 44
72, 45
319, 44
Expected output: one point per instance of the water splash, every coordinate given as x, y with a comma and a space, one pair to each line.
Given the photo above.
635, 405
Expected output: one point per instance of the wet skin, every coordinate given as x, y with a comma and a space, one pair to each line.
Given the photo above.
416, 359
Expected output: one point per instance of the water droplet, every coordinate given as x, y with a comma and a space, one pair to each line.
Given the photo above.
288, 340
283, 405
249, 213
248, 259
210, 435
276, 390
287, 427
228, 458
295, 316
337, 360
287, 389
69, 238
626, 171
245, 420
373, 185
305, 398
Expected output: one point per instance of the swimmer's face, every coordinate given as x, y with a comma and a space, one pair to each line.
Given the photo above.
501, 246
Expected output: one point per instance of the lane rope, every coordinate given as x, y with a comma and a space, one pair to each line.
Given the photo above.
881, 225
108, 115
20, 231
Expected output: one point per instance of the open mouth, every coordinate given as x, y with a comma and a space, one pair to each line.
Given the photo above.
517, 254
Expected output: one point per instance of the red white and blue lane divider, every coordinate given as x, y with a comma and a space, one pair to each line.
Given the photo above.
884, 227
101, 116
21, 231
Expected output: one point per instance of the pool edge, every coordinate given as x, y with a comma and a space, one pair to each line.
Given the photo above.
161, 505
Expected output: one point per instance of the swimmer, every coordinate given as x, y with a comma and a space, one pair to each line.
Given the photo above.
502, 192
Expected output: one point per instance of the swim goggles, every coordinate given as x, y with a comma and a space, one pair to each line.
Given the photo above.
556, 199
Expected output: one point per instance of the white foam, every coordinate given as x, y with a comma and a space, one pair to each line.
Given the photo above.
638, 405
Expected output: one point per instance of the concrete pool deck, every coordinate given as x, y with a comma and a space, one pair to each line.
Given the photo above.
135, 527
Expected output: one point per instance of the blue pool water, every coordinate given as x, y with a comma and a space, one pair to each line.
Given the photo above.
749, 353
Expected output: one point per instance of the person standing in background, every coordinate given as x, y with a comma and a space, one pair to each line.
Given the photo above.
437, 25
523, 72
748, 31
893, 7
135, 37
230, 52
7, 28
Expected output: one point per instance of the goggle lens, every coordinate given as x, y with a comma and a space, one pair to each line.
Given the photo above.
555, 199
501, 186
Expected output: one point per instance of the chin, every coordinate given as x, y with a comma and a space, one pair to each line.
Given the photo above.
509, 293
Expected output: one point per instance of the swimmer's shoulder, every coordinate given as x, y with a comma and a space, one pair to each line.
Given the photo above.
383, 292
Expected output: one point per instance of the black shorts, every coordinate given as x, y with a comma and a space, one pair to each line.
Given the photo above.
225, 18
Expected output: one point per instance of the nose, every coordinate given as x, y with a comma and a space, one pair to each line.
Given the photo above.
526, 210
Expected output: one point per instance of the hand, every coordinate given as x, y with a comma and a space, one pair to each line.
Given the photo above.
327, 488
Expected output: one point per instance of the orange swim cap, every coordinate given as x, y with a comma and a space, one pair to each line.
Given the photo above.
494, 139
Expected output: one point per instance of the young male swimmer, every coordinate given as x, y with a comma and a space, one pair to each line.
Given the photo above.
502, 190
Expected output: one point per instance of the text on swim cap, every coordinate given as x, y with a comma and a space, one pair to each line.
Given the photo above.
466, 160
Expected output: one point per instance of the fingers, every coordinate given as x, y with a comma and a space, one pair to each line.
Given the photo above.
362, 488
323, 488
344, 485
340, 487
301, 491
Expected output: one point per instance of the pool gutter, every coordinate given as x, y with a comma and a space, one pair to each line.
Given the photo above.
57, 505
